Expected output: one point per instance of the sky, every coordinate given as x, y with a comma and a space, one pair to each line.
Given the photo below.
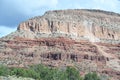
13, 12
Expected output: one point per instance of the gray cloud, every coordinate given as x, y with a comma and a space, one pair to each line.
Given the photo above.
12, 12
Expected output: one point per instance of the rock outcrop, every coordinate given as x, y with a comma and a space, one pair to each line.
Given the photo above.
94, 25
66, 38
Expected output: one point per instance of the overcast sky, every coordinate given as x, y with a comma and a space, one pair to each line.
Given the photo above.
13, 12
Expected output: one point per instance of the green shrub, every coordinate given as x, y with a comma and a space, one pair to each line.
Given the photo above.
24, 73
41, 72
73, 74
4, 71
91, 76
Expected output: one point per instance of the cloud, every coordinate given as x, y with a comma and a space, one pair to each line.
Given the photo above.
12, 12
4, 30
28, 7
109, 5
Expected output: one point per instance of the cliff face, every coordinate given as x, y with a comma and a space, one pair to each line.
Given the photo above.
66, 38
93, 25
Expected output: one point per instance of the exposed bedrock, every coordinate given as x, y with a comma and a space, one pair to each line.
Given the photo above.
77, 24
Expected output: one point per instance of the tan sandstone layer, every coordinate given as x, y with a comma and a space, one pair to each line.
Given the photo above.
93, 25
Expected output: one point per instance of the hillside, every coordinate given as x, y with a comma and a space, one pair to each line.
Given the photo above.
61, 38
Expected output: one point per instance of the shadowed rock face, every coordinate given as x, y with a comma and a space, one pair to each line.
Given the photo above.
87, 39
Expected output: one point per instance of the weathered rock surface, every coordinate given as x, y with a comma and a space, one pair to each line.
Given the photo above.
66, 38
93, 25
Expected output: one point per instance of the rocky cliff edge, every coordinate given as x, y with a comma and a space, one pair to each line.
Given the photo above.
79, 24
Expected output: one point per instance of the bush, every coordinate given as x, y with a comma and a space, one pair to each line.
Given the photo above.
41, 72
91, 76
4, 71
72, 73
24, 73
